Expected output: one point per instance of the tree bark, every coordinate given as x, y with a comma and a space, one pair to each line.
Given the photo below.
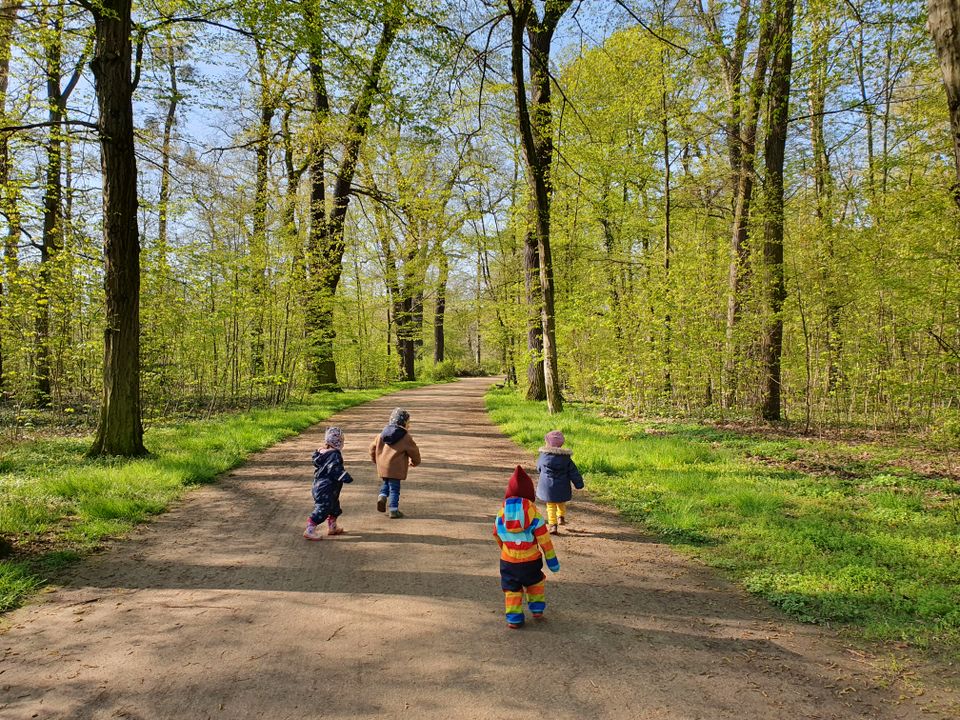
823, 187
667, 208
536, 139
778, 106
51, 242
258, 237
944, 25
443, 273
8, 195
327, 239
120, 429
163, 208
739, 270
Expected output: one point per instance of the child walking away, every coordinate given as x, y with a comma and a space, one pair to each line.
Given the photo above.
394, 451
329, 476
524, 545
557, 471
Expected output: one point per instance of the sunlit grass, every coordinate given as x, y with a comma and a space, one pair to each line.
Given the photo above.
55, 503
879, 554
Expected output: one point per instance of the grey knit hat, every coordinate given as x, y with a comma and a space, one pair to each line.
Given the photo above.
334, 438
400, 417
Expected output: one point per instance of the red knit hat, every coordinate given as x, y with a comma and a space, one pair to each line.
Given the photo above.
520, 485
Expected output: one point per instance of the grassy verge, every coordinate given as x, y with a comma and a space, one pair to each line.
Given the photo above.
56, 505
877, 552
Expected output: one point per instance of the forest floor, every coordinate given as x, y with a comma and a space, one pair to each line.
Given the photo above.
219, 608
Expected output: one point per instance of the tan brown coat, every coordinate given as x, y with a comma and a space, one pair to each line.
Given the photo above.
394, 460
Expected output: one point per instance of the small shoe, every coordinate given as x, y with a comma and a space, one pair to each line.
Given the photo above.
336, 530
554, 530
514, 626
394, 514
382, 503
311, 533
563, 520
538, 616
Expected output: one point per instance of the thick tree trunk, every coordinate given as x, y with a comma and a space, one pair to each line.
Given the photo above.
120, 430
318, 210
327, 241
8, 196
944, 25
775, 290
258, 237
536, 139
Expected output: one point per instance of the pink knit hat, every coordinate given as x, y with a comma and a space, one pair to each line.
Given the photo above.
554, 438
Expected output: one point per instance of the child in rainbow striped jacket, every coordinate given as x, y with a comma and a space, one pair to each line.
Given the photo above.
524, 544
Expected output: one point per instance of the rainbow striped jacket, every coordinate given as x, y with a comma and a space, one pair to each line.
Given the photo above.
522, 534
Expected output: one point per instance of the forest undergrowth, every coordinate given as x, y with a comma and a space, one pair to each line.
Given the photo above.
843, 533
56, 505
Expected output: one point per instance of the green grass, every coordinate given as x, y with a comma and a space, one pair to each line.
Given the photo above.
875, 552
55, 504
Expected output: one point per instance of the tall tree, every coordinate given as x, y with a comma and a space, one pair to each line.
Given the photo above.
778, 106
823, 178
9, 10
120, 429
944, 25
743, 107
326, 239
51, 243
535, 120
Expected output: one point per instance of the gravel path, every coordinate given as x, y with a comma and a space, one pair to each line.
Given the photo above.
220, 609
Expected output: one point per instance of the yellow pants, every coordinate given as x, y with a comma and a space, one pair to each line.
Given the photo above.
555, 511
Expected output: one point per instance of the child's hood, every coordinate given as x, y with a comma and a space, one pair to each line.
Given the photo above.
547, 450
554, 458
322, 457
392, 434
520, 485
516, 518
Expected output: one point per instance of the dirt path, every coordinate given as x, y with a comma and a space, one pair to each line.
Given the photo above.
220, 609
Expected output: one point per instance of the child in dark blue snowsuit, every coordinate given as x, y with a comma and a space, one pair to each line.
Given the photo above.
557, 472
329, 476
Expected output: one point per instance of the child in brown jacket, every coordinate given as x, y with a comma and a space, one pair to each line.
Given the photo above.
394, 451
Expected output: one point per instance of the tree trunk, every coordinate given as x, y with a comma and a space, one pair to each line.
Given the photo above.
944, 25
778, 105
163, 208
8, 196
52, 238
327, 243
258, 237
536, 139
536, 388
443, 273
823, 186
667, 208
738, 274
120, 430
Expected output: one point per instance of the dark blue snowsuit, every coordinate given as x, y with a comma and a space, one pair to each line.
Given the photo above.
329, 476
